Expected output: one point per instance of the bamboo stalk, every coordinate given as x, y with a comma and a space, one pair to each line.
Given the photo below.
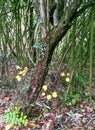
91, 54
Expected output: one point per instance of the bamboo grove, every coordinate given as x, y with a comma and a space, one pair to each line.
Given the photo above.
20, 39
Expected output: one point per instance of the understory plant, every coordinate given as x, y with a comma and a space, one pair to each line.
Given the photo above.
16, 117
71, 101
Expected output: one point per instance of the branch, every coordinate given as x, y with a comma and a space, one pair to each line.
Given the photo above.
64, 24
66, 21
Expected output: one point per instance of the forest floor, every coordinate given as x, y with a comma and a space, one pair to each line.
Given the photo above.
48, 114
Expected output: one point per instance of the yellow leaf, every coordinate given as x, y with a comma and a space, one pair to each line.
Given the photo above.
21, 72
32, 124
24, 71
62, 74
43, 94
18, 78
67, 79
44, 87
48, 97
17, 67
54, 94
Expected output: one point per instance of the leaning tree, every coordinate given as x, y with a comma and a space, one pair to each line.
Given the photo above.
57, 18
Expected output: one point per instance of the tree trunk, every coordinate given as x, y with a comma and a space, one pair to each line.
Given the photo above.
52, 39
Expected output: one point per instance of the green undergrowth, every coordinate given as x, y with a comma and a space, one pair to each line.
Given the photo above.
16, 117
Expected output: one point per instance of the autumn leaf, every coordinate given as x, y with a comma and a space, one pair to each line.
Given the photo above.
8, 126
54, 94
6, 99
18, 78
43, 93
48, 97
17, 67
44, 87
24, 71
62, 74
68, 74
67, 79
20, 72
32, 124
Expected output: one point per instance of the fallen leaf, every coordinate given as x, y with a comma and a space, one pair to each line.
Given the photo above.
32, 123
48, 125
6, 99
8, 126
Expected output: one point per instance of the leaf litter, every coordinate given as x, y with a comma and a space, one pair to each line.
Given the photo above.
49, 115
